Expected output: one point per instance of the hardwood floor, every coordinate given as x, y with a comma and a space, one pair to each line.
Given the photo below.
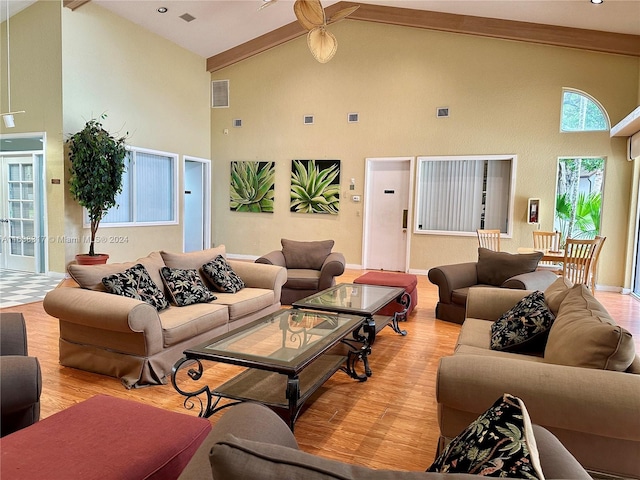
387, 422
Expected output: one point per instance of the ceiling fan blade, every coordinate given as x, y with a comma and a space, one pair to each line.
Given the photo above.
342, 14
322, 44
309, 13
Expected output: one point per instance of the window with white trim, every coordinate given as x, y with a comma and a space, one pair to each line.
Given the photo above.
582, 113
465, 193
149, 193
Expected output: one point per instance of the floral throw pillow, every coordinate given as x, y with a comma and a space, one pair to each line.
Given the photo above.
499, 443
135, 282
223, 278
524, 328
185, 286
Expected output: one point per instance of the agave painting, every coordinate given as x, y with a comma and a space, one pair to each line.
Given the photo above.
315, 186
252, 186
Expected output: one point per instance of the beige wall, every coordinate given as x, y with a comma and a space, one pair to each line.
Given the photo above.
504, 98
149, 87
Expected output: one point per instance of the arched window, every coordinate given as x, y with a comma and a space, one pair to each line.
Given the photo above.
582, 113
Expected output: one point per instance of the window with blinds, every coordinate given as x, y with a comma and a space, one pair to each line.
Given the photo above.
149, 190
463, 194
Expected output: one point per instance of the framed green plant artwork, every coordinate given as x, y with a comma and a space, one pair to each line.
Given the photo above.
252, 186
315, 186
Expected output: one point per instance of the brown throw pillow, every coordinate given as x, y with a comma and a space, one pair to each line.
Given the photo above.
495, 267
556, 293
584, 335
309, 255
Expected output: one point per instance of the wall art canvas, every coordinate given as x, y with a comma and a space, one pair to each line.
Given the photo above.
315, 186
252, 186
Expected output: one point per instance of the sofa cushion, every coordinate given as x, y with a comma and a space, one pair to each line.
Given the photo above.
523, 328
233, 458
555, 293
136, 283
500, 443
222, 276
585, 335
90, 276
192, 260
185, 286
180, 324
487, 352
309, 255
302, 279
246, 301
496, 267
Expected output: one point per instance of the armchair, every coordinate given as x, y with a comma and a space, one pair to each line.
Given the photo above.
311, 267
497, 269
20, 376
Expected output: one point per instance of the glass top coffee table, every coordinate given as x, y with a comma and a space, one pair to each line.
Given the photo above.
360, 299
286, 358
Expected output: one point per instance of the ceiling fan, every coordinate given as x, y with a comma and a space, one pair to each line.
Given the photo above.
311, 16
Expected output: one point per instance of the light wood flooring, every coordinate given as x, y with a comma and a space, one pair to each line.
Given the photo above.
387, 422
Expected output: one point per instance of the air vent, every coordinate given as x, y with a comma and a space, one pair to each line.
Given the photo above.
308, 120
220, 93
237, 122
187, 17
442, 112
353, 118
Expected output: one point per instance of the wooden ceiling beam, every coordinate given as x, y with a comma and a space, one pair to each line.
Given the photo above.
594, 40
73, 4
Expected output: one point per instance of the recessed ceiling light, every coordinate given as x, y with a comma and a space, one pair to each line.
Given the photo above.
597, 2
163, 9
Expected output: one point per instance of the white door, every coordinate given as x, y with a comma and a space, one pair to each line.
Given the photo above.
197, 201
19, 213
387, 213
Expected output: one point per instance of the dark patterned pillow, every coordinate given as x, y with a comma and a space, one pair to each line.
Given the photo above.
223, 278
185, 286
499, 443
135, 282
524, 328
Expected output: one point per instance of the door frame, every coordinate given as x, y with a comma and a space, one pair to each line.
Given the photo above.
206, 198
41, 220
368, 213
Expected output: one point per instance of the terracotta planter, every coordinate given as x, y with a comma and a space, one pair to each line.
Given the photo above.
86, 259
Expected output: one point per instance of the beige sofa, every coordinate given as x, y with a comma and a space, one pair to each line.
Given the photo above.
584, 387
129, 339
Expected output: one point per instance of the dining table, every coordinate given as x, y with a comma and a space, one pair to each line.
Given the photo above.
547, 255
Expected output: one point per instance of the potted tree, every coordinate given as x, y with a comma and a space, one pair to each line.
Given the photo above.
97, 166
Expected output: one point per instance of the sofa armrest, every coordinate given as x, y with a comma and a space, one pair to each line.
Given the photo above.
489, 303
333, 266
106, 311
451, 277
21, 383
538, 280
558, 397
258, 275
13, 334
273, 258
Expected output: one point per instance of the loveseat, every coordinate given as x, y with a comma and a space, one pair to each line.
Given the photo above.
130, 339
250, 442
583, 384
493, 269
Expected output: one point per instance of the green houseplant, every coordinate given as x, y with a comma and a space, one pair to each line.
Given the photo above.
97, 166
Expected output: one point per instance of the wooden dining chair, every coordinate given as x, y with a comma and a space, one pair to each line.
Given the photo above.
578, 259
549, 241
489, 239
594, 263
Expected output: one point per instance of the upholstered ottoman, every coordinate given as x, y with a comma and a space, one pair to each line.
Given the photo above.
405, 280
103, 438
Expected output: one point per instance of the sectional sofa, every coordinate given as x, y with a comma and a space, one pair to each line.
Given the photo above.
583, 385
131, 340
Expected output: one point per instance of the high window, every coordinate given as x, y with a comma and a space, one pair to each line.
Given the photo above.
582, 113
149, 190
463, 194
